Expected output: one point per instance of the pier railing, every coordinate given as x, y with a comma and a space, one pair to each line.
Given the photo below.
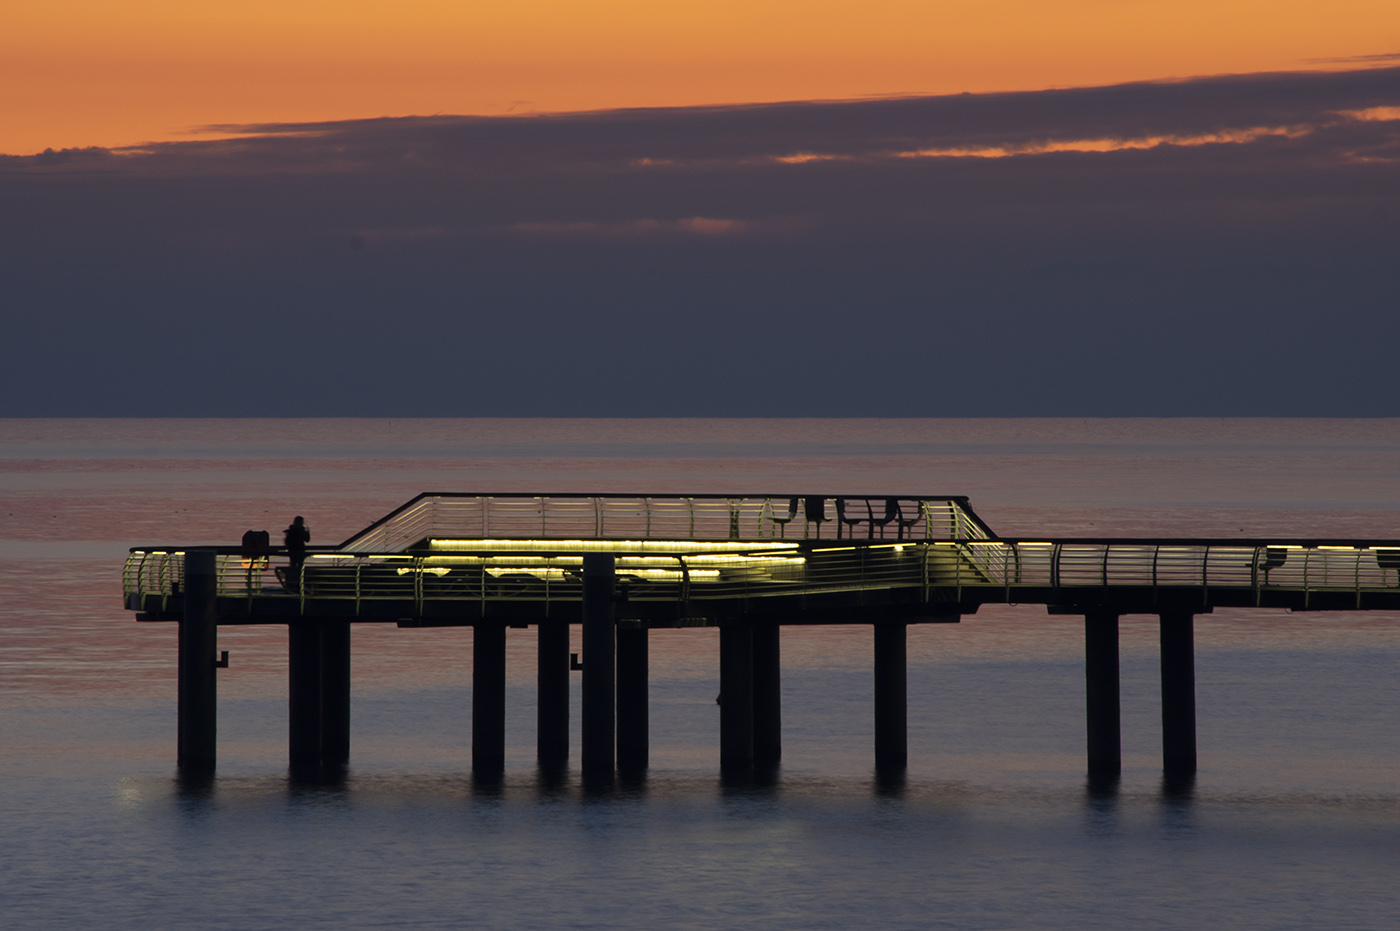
662, 517
1255, 565
549, 571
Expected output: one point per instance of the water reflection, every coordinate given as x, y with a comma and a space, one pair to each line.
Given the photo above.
552, 780
316, 776
1101, 815
890, 784
194, 784
488, 787
632, 782
1179, 788
1179, 802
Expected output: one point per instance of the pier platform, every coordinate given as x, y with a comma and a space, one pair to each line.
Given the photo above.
624, 565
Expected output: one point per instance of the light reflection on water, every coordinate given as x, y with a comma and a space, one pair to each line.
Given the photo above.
1293, 820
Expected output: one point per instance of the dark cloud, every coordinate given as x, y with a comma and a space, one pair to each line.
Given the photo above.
1380, 58
1213, 246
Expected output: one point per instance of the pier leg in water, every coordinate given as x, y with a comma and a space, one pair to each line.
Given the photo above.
1178, 693
633, 746
489, 699
767, 698
736, 703
599, 678
305, 691
335, 692
552, 717
891, 697
198, 699
1101, 694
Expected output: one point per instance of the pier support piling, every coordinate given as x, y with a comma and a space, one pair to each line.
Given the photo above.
891, 696
599, 677
1101, 693
767, 697
488, 699
318, 693
633, 746
304, 692
552, 715
335, 692
1178, 693
198, 699
736, 702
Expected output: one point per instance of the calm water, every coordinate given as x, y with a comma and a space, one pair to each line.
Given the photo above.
1294, 821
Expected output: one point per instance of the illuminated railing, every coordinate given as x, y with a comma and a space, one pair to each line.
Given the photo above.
1255, 566
503, 570
651, 517
664, 572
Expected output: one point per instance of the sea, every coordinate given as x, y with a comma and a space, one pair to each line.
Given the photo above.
1293, 820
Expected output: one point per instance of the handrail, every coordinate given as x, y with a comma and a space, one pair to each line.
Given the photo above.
701, 517
701, 570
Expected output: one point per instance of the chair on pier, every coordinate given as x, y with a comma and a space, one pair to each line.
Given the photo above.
845, 519
1388, 557
906, 523
814, 511
848, 519
782, 522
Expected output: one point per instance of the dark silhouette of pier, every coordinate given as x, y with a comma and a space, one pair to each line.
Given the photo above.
623, 566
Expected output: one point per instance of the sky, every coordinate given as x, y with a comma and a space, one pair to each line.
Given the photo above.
1096, 208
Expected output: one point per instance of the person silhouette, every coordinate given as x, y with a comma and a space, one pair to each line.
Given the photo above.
295, 538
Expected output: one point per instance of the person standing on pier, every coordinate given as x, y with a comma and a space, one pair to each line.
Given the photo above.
295, 538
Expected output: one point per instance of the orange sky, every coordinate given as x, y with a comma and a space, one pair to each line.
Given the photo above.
97, 72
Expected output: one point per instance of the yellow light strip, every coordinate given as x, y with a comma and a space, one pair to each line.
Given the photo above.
731, 561
557, 575
608, 546
646, 575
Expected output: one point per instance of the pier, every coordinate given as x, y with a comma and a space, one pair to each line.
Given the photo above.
624, 566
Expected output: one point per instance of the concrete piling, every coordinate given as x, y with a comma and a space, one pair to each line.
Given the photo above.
488, 699
891, 696
1101, 693
1178, 692
552, 683
198, 698
767, 697
633, 744
599, 675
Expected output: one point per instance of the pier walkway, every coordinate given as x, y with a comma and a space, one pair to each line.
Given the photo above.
624, 565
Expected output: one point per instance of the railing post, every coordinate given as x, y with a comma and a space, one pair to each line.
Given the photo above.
198, 701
